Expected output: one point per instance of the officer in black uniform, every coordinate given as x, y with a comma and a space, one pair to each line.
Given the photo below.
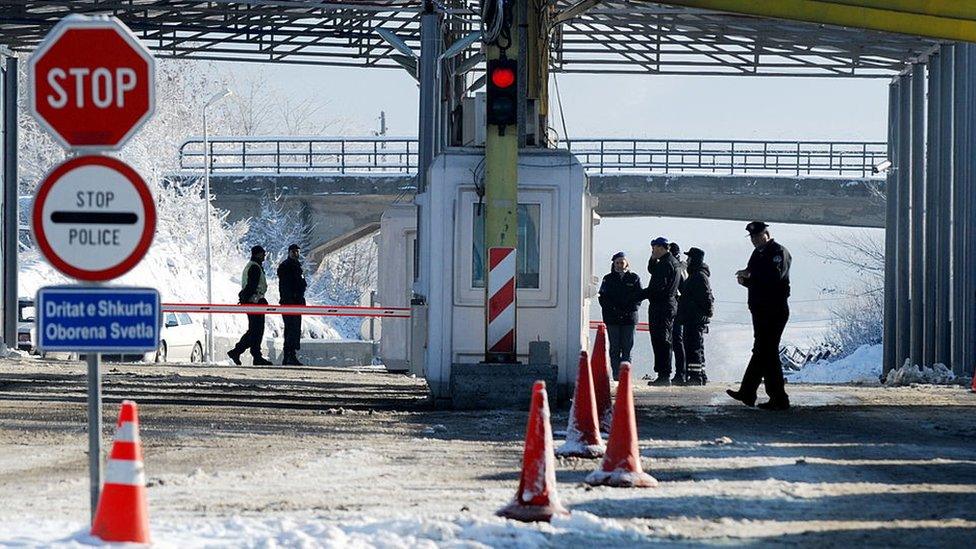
677, 331
695, 309
768, 279
662, 292
291, 289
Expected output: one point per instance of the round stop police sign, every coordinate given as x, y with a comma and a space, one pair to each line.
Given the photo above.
91, 82
93, 218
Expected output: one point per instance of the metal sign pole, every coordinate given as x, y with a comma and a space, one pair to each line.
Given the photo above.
94, 428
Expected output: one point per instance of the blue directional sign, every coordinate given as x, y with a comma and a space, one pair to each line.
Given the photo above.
98, 319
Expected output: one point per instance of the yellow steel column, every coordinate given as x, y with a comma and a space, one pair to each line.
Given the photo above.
501, 179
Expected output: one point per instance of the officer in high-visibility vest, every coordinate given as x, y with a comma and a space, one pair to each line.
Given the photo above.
254, 286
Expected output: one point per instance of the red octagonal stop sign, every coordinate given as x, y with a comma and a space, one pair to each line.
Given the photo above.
91, 83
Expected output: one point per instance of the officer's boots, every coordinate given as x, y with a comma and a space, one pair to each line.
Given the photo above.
696, 375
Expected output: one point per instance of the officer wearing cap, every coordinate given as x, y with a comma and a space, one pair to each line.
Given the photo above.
767, 276
620, 296
291, 289
253, 287
662, 292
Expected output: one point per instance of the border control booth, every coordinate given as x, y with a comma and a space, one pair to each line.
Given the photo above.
553, 278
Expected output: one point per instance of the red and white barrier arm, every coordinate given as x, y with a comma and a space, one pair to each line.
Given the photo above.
641, 326
310, 310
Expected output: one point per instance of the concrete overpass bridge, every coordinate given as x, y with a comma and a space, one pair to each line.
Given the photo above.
344, 184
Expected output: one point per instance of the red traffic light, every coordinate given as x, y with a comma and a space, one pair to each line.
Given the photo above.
502, 77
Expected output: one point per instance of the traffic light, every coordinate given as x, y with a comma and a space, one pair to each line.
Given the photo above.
502, 92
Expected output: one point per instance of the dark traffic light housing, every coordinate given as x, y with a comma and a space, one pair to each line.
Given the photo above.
502, 92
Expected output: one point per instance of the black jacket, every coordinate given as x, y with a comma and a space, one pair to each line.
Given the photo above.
291, 283
662, 289
620, 295
695, 306
769, 276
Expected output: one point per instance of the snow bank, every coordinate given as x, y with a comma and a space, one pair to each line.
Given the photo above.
909, 373
396, 532
862, 366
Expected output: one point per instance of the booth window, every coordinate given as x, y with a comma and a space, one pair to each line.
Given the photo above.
527, 259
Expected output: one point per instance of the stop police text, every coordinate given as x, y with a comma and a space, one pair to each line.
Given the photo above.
91, 236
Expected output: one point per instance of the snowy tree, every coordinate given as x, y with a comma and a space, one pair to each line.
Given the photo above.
276, 227
346, 277
859, 319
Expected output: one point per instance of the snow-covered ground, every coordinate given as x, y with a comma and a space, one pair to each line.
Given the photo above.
408, 531
863, 366
255, 457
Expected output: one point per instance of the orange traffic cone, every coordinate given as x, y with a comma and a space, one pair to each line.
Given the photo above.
601, 379
536, 498
122, 514
973, 388
583, 433
622, 465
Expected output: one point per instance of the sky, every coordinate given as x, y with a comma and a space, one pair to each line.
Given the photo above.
621, 105
662, 107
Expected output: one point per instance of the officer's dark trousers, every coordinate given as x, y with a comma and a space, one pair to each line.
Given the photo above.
678, 344
293, 335
694, 339
621, 338
661, 323
765, 366
253, 337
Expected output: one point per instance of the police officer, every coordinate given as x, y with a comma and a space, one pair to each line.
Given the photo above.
695, 308
620, 295
253, 287
662, 291
291, 289
767, 277
677, 331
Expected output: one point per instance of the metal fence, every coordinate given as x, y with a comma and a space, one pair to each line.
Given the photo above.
598, 155
730, 157
290, 155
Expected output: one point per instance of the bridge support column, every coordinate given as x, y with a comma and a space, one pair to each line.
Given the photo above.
959, 170
11, 221
917, 275
968, 218
941, 336
891, 229
901, 227
932, 276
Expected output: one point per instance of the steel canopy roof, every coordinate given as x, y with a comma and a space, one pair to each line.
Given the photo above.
612, 36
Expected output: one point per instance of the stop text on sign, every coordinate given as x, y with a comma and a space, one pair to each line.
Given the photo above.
91, 83
103, 87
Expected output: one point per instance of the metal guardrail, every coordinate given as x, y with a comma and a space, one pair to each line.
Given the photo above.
291, 154
398, 155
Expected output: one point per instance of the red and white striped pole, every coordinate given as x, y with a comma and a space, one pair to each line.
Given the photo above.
500, 312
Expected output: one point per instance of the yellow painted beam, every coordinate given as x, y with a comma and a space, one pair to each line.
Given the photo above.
940, 19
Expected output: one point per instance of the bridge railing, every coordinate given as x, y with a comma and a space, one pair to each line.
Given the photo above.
398, 155
290, 154
730, 157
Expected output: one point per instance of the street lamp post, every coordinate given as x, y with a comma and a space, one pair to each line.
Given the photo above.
206, 196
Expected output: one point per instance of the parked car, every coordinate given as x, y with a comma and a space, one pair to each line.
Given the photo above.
26, 334
180, 341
